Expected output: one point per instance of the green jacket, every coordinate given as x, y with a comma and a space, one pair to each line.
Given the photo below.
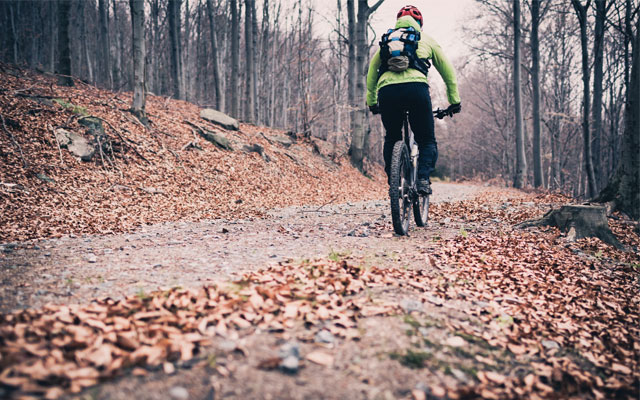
427, 48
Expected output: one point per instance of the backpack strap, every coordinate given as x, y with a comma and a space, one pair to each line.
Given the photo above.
409, 37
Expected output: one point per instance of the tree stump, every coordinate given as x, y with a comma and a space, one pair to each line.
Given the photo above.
579, 221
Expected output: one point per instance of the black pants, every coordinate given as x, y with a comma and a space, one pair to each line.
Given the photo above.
414, 97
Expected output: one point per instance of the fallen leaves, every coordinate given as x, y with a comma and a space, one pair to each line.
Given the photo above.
572, 307
456, 341
147, 176
320, 358
73, 347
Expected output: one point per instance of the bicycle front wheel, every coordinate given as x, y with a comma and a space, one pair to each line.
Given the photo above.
399, 191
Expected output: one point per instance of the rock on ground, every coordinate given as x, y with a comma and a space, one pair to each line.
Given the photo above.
75, 143
220, 118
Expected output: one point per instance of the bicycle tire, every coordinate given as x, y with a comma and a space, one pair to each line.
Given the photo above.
421, 210
399, 189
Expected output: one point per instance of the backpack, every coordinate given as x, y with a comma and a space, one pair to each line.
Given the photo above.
398, 51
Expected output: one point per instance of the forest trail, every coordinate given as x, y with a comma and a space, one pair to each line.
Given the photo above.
325, 302
192, 254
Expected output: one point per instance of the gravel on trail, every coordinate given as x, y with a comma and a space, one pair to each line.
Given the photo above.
192, 254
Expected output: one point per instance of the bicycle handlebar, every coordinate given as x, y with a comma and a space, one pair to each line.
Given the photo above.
442, 113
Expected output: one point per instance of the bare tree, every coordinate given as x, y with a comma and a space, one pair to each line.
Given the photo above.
64, 46
117, 62
521, 160
105, 55
83, 39
235, 59
624, 188
359, 114
138, 44
598, 65
535, 83
214, 55
581, 11
173, 12
249, 66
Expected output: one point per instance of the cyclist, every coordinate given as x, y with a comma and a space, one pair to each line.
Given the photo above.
392, 93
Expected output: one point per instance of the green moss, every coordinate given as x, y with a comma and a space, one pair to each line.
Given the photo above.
473, 371
460, 352
72, 107
429, 343
141, 294
408, 319
412, 359
475, 340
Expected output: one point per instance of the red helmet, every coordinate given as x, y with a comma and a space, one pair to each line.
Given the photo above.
412, 11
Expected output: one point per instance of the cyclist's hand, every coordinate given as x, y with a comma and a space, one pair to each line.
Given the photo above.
374, 109
455, 108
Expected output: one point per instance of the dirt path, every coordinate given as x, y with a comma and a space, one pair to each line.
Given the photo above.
457, 321
187, 254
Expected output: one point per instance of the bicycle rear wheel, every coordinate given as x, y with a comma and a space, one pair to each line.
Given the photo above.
399, 190
421, 210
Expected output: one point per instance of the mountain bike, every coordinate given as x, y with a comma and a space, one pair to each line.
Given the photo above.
403, 177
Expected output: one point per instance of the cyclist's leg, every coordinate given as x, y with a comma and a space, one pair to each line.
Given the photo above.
390, 99
422, 125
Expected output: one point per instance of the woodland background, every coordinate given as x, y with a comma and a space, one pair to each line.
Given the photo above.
265, 62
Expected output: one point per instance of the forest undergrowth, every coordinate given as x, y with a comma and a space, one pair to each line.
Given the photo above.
146, 175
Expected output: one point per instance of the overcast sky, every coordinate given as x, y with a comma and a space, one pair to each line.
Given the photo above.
443, 19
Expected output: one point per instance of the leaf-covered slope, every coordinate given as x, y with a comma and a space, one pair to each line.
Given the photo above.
145, 175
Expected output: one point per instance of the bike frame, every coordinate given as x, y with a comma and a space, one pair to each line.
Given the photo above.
412, 146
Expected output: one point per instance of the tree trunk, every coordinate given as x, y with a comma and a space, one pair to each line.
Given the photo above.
254, 61
521, 161
14, 36
248, 79
581, 11
359, 113
535, 82
598, 66
235, 59
138, 44
351, 64
117, 63
104, 45
176, 53
266, 73
52, 33
186, 55
83, 40
624, 188
214, 55
64, 46
152, 57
